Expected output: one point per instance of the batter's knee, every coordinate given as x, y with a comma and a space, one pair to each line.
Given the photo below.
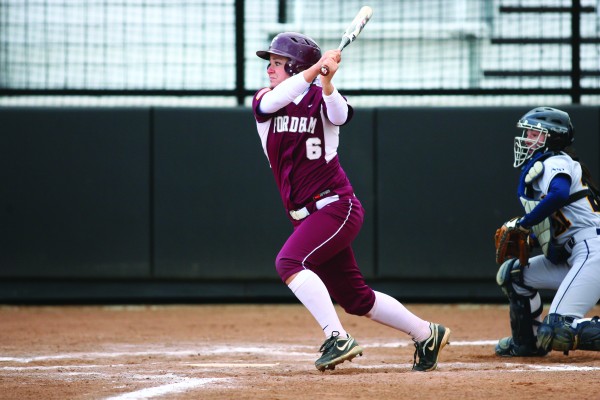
287, 267
360, 304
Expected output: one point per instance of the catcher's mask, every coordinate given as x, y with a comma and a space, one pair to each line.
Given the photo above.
302, 51
555, 132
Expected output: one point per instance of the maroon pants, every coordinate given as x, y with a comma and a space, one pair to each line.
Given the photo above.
322, 243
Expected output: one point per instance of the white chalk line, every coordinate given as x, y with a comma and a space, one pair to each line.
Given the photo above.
178, 387
76, 367
97, 355
181, 384
405, 343
203, 350
558, 368
486, 367
521, 367
232, 365
270, 351
510, 367
56, 367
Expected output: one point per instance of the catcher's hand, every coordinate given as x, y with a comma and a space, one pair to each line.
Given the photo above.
511, 242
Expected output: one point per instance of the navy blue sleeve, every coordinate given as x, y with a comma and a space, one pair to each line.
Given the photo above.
558, 195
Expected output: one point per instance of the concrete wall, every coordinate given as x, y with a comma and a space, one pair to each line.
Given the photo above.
161, 204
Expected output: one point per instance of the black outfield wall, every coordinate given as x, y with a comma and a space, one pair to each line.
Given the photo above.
163, 204
74, 193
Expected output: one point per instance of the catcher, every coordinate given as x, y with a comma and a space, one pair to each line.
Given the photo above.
561, 204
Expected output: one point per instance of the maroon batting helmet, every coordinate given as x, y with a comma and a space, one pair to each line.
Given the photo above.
302, 51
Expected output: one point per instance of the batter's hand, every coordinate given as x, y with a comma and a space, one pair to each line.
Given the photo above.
331, 60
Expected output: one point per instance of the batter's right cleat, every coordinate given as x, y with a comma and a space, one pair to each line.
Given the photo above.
429, 349
506, 347
336, 350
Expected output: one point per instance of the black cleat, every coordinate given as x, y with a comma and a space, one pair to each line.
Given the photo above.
506, 347
336, 350
429, 349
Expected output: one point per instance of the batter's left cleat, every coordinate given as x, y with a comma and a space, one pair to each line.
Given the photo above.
336, 350
428, 350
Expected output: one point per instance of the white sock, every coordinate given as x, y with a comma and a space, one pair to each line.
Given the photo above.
311, 291
535, 305
389, 311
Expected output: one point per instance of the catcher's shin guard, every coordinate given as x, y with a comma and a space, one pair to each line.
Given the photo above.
564, 333
588, 333
522, 317
556, 333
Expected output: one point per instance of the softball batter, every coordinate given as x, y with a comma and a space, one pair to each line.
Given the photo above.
561, 212
298, 118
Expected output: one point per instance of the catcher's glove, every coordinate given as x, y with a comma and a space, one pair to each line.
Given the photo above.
512, 242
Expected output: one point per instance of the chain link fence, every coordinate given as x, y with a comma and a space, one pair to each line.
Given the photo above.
202, 52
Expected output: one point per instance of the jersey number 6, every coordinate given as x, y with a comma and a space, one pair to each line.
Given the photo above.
313, 148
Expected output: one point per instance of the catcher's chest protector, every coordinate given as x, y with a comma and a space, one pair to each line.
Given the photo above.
530, 174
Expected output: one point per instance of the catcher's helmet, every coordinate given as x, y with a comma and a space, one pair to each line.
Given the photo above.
558, 129
302, 51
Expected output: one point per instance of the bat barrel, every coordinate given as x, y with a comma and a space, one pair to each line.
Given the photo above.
353, 30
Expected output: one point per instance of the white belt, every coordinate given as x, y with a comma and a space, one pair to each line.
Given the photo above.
303, 212
583, 234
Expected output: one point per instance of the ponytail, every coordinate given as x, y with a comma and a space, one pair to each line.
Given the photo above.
586, 177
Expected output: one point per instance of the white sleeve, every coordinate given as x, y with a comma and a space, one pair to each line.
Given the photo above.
337, 108
554, 166
283, 94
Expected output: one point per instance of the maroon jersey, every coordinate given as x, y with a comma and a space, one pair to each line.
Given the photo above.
301, 146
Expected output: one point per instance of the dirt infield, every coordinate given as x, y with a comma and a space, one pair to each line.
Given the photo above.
264, 352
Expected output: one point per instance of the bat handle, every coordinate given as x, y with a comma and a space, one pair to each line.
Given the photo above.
345, 42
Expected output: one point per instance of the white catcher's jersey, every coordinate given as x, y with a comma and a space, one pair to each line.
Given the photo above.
576, 216
576, 281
